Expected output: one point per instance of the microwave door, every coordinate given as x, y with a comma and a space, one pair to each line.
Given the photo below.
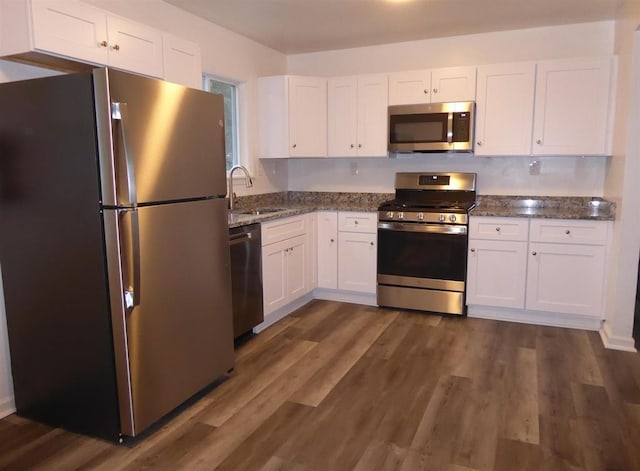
423, 131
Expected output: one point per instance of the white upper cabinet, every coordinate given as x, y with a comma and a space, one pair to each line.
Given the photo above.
357, 116
433, 86
135, 47
504, 109
182, 61
292, 117
572, 107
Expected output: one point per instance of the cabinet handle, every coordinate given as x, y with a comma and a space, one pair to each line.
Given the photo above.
538, 141
103, 44
426, 92
534, 253
473, 250
355, 222
435, 90
479, 143
352, 146
497, 229
567, 232
294, 146
332, 240
359, 146
116, 47
371, 244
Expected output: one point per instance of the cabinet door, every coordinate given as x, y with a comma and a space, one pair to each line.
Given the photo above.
274, 276
308, 117
296, 271
565, 278
357, 262
572, 107
343, 116
311, 225
182, 61
134, 47
504, 109
453, 84
328, 249
496, 272
70, 29
372, 116
406, 88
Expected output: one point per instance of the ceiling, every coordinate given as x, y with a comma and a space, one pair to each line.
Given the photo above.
298, 26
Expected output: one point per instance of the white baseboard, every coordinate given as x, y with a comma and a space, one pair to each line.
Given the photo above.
616, 342
284, 311
7, 406
553, 319
367, 299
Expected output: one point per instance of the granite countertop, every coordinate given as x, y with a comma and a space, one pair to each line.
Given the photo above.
291, 203
553, 207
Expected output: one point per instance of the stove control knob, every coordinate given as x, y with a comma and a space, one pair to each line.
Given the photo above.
421, 216
390, 214
441, 218
452, 218
400, 215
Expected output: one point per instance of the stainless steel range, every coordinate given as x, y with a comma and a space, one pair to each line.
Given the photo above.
422, 242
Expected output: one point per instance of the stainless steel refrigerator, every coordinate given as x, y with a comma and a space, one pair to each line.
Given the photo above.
113, 248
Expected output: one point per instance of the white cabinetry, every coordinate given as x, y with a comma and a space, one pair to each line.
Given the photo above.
566, 266
357, 116
328, 249
284, 262
357, 251
311, 228
72, 31
497, 262
504, 109
542, 268
292, 117
433, 86
182, 61
572, 107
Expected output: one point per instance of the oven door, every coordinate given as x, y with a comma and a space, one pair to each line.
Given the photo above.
430, 256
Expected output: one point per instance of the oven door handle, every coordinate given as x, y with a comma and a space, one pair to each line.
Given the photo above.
432, 228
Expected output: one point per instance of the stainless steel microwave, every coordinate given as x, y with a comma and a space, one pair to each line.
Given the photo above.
435, 127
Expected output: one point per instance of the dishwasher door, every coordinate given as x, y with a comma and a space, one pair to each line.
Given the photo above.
246, 278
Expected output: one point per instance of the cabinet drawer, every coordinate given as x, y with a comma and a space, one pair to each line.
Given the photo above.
569, 231
492, 228
353, 221
282, 229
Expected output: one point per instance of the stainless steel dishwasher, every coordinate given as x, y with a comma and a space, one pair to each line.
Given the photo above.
246, 278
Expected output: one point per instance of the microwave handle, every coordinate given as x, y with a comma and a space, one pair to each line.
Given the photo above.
450, 128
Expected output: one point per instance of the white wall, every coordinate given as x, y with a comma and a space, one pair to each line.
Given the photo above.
621, 185
569, 176
226, 55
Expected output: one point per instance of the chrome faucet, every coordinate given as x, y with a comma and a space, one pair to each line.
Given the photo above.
247, 183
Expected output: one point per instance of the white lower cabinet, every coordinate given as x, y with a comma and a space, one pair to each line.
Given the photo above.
558, 268
328, 249
357, 251
284, 262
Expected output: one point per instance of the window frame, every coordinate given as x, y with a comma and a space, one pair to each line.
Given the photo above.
207, 80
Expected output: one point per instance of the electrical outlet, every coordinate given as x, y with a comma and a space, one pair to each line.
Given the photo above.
534, 167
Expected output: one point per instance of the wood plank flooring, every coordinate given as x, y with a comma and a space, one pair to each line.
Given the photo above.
338, 386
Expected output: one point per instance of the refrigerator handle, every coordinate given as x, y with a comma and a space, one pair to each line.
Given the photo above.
131, 257
119, 111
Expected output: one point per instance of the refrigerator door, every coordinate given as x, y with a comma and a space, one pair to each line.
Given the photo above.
159, 141
177, 320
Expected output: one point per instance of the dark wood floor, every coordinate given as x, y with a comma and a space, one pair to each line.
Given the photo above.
344, 387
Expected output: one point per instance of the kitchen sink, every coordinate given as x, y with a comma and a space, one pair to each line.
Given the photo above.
259, 211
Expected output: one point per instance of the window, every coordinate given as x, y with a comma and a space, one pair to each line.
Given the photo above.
230, 93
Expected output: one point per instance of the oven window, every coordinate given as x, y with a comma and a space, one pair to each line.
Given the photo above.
415, 128
422, 255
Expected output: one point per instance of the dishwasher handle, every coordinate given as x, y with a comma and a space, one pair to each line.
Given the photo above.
240, 238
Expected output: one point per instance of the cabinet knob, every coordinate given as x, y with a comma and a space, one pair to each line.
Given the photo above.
473, 250
567, 232
435, 90
371, 244
103, 44
352, 146
332, 240
534, 253
538, 141
116, 47
479, 143
355, 222
359, 146
497, 229
426, 92
294, 146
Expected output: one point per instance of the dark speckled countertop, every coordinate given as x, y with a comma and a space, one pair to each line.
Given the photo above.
553, 207
291, 203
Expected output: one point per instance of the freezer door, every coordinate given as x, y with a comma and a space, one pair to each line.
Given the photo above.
177, 324
158, 141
